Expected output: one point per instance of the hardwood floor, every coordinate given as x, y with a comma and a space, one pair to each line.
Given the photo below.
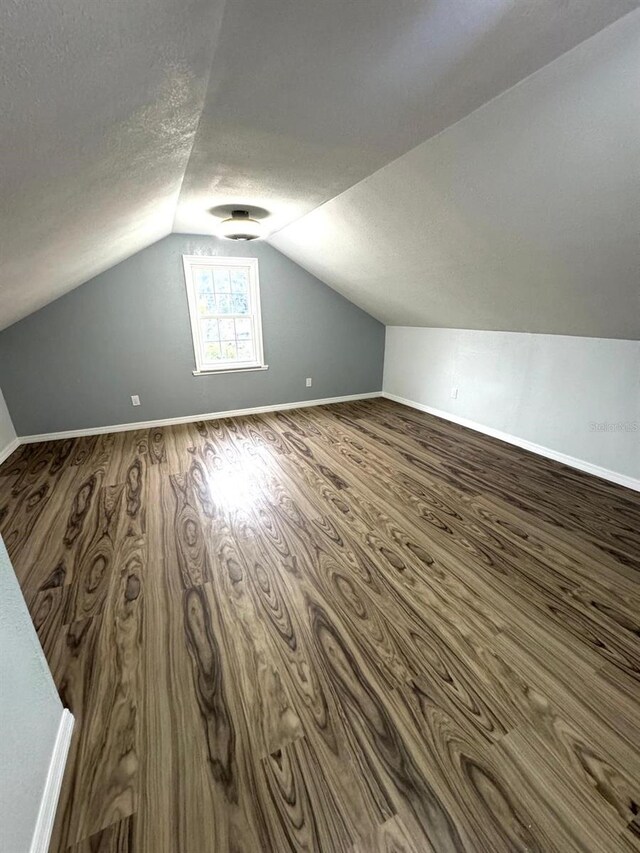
349, 628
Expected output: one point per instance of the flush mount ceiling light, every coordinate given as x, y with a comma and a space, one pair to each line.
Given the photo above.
240, 226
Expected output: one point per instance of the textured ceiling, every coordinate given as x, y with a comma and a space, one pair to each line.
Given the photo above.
121, 119
524, 216
307, 98
99, 103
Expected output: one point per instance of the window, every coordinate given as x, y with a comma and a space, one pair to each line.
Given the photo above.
224, 305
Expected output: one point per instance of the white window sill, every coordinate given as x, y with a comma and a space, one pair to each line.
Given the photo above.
230, 370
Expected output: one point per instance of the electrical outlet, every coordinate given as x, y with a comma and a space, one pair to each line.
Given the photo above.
454, 392
309, 382
135, 400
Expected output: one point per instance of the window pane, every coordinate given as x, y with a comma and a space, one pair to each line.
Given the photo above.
212, 352
204, 282
240, 303
227, 330
223, 302
206, 304
243, 329
246, 351
229, 350
239, 283
221, 280
209, 330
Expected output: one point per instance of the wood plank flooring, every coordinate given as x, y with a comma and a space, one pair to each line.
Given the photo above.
350, 628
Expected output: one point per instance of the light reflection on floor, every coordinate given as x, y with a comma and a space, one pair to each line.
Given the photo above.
236, 485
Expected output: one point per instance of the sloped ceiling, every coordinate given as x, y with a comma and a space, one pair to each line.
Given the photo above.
307, 97
123, 120
524, 216
99, 103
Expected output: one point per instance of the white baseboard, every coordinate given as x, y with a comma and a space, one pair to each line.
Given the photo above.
540, 450
47, 813
6, 452
565, 459
186, 419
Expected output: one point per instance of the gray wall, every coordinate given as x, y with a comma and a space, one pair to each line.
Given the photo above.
30, 715
75, 363
7, 432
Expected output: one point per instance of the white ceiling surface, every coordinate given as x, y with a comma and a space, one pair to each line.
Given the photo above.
307, 98
99, 103
524, 216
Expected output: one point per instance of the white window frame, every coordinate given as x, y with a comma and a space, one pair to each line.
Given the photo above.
191, 263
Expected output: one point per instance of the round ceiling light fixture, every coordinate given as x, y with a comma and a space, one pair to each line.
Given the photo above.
240, 226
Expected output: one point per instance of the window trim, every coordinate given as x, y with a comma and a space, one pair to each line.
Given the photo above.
191, 261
